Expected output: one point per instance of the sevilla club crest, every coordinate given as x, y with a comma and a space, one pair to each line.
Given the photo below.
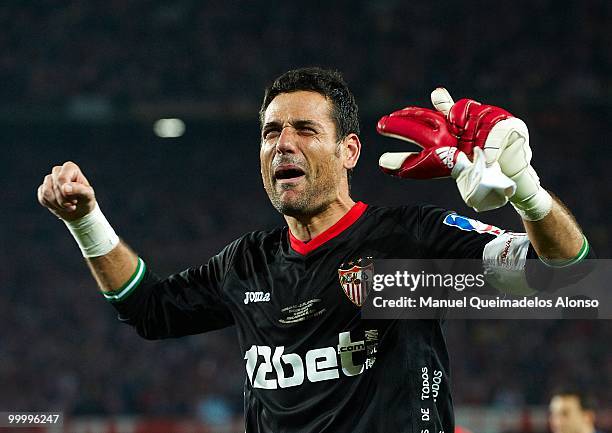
356, 281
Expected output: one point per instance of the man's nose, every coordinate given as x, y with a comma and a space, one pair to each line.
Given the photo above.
286, 142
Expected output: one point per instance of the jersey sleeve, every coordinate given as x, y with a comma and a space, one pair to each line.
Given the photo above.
185, 303
505, 254
445, 235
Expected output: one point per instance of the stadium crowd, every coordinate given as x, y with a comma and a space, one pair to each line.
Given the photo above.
225, 52
179, 201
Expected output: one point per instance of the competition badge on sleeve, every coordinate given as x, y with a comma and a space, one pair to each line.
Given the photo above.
356, 280
469, 224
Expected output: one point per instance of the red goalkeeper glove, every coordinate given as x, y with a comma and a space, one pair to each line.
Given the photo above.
450, 136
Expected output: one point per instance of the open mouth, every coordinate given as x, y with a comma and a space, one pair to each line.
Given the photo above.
288, 173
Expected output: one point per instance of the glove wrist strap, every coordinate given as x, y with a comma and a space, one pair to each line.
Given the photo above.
531, 201
535, 207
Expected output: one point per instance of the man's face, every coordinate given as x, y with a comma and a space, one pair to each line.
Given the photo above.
567, 416
301, 161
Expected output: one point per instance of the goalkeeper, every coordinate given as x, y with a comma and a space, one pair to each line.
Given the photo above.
293, 293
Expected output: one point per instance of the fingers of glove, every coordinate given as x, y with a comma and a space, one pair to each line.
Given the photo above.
466, 109
426, 116
391, 162
484, 122
459, 113
424, 127
398, 136
472, 122
493, 114
442, 100
411, 165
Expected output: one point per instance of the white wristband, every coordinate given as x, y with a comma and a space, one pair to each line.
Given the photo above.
93, 233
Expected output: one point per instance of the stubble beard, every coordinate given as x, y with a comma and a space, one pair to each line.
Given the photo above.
315, 197
311, 201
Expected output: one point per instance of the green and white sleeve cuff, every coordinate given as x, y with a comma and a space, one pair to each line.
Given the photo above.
124, 291
584, 251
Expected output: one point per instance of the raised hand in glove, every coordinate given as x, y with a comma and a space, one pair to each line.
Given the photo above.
484, 148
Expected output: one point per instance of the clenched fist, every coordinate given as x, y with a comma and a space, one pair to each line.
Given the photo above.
66, 192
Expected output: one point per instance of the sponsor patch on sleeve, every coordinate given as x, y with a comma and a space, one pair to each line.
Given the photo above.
471, 225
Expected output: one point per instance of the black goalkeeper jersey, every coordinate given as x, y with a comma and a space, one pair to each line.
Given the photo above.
312, 363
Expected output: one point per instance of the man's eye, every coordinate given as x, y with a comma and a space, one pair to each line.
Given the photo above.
307, 131
270, 133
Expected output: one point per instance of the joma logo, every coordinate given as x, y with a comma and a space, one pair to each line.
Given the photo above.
256, 297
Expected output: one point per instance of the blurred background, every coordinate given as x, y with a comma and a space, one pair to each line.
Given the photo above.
89, 81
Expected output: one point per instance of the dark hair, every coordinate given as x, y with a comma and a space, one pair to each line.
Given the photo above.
585, 399
328, 83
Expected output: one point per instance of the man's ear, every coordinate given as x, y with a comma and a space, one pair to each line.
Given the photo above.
590, 416
351, 149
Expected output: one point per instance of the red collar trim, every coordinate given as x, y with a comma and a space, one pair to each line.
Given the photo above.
342, 224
